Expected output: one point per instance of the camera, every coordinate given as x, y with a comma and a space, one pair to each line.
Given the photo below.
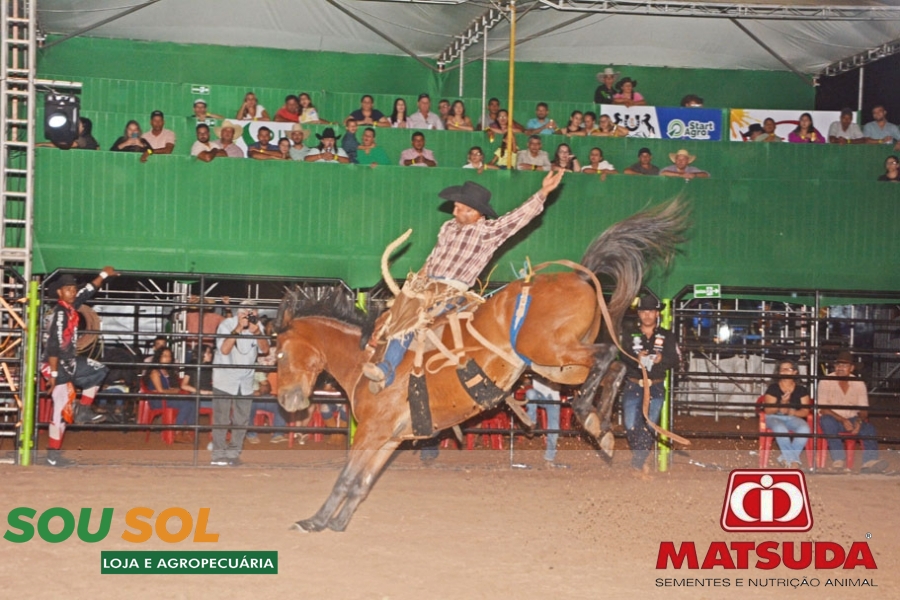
253, 319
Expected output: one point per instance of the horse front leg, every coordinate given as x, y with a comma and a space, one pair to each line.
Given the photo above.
337, 497
374, 461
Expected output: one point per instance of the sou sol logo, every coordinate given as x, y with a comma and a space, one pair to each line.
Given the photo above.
760, 500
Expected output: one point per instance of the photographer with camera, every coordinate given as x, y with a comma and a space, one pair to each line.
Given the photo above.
239, 342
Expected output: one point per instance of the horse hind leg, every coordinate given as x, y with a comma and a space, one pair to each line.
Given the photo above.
362, 484
583, 407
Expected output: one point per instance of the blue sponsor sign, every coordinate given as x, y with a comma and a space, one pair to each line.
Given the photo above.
690, 123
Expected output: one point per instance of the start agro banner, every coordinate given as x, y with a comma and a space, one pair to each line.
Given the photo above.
667, 123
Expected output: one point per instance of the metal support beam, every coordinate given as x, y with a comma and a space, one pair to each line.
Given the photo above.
764, 46
477, 28
865, 57
722, 10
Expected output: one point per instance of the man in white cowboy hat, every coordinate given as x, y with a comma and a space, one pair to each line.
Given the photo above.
464, 247
227, 133
605, 92
327, 150
298, 135
682, 167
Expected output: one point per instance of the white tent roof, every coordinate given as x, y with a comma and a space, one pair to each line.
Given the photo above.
633, 33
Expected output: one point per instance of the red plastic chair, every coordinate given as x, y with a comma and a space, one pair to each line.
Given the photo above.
765, 441
146, 415
849, 448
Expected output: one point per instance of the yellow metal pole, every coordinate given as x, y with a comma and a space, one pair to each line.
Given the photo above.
510, 135
664, 451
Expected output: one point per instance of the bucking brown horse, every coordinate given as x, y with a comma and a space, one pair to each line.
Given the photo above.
556, 339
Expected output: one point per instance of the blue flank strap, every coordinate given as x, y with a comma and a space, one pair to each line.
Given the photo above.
516, 325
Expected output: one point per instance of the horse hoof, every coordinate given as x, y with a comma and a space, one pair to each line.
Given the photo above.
608, 443
592, 424
303, 527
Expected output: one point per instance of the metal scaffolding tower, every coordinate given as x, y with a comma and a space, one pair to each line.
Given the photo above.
18, 53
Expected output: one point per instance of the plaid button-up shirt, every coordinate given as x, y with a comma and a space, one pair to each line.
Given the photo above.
462, 251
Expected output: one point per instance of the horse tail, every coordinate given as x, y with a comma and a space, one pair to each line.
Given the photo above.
627, 249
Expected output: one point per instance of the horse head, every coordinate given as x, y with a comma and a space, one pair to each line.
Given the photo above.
301, 359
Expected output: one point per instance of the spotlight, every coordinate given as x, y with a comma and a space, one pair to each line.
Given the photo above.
61, 119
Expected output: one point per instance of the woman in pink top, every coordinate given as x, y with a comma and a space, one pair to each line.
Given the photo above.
627, 95
805, 133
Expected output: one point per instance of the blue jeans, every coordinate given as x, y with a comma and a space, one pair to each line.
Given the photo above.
639, 436
272, 407
790, 447
535, 398
393, 354
831, 426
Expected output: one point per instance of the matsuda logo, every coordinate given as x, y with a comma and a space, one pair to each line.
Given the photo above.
758, 500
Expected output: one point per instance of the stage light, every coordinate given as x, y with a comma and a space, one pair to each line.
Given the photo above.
61, 119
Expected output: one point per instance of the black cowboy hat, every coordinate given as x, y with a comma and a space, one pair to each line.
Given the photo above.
64, 280
472, 195
328, 133
648, 302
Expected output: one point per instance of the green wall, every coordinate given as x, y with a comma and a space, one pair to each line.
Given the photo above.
240, 216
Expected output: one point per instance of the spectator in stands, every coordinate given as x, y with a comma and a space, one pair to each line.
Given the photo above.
605, 92
398, 115
542, 393
284, 148
202, 116
418, 155
227, 133
203, 148
424, 118
161, 380
161, 140
607, 128
132, 140
541, 123
692, 101
237, 344
308, 112
290, 112
367, 114
533, 158
682, 167
891, 172
457, 119
443, 109
855, 421
298, 135
502, 156
845, 131
476, 160
334, 415
263, 148
349, 142
805, 132
768, 134
501, 125
598, 165
204, 383
252, 110
754, 131
590, 123
786, 403
493, 107
879, 130
369, 153
565, 160
84, 141
575, 126
327, 150
192, 325
626, 94
644, 165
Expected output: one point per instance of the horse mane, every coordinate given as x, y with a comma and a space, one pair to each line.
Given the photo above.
332, 302
625, 250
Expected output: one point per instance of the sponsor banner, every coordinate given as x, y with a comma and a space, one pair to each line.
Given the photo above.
188, 563
669, 123
785, 121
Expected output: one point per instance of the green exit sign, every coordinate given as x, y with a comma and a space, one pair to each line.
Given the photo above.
707, 290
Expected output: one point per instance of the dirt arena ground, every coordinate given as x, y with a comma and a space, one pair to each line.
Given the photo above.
474, 524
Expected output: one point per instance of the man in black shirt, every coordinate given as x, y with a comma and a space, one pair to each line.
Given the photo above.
656, 350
